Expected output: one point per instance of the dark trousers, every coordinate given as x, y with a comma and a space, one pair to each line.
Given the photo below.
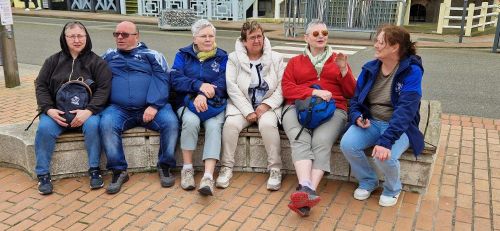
27, 3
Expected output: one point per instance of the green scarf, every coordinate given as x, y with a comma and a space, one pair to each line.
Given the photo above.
319, 60
204, 55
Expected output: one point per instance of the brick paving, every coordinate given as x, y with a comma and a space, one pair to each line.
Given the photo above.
464, 192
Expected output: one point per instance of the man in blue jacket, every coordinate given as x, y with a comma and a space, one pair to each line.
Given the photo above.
139, 94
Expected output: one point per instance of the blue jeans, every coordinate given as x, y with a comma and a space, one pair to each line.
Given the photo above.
115, 120
46, 136
353, 144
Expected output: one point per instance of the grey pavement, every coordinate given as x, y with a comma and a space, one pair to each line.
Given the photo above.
464, 80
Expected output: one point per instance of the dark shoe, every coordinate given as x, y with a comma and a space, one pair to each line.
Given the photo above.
167, 179
95, 178
303, 212
304, 197
206, 186
44, 184
119, 177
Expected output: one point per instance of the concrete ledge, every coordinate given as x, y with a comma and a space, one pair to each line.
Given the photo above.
141, 148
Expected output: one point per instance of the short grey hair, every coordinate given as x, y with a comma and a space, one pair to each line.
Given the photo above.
200, 25
314, 22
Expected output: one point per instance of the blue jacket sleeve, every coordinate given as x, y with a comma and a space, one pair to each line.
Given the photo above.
159, 87
220, 82
405, 109
181, 82
355, 105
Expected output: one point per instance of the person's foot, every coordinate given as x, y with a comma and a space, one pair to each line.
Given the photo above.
27, 9
304, 197
388, 201
187, 179
38, 8
225, 175
44, 184
167, 179
95, 178
118, 179
303, 212
206, 186
274, 181
361, 194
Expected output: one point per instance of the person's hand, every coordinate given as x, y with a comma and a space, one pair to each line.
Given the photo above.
252, 117
381, 153
341, 61
324, 94
80, 117
56, 116
363, 122
261, 109
149, 114
200, 103
208, 89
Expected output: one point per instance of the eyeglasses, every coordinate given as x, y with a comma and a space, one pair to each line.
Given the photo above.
323, 32
75, 36
123, 34
257, 37
209, 36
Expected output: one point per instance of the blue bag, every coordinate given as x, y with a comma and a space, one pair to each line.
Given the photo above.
216, 105
73, 95
313, 111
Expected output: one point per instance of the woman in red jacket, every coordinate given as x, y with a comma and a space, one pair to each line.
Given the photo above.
311, 152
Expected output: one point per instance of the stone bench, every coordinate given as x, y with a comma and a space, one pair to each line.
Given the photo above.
141, 148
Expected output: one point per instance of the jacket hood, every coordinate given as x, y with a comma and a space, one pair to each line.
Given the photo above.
189, 49
64, 44
374, 65
241, 52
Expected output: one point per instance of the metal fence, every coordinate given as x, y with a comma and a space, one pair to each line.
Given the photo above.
345, 15
210, 9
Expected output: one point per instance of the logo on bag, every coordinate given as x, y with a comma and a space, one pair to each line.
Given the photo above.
215, 66
75, 100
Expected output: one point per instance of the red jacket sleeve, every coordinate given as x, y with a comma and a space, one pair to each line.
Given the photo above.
291, 89
348, 83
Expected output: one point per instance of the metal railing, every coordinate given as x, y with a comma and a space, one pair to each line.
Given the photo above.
344, 15
209, 9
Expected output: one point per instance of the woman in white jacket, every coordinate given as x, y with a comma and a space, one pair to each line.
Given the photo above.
253, 79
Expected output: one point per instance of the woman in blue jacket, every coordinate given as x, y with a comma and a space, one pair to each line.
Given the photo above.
199, 72
384, 114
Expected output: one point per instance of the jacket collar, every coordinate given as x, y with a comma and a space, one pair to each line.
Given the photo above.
189, 50
374, 66
241, 54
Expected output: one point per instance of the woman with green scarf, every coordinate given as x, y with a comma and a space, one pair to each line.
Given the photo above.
320, 66
199, 75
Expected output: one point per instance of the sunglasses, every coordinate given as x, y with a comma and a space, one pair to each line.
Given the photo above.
123, 34
323, 32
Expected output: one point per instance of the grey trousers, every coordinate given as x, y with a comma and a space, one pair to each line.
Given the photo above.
315, 145
268, 127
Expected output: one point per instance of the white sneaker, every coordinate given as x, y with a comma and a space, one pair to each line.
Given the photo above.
387, 201
274, 181
187, 179
38, 8
224, 177
27, 9
361, 194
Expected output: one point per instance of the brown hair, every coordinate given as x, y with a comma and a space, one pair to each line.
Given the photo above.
398, 35
250, 26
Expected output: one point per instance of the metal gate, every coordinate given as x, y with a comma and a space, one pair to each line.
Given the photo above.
344, 15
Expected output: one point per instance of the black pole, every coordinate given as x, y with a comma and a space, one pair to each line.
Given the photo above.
497, 35
462, 24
